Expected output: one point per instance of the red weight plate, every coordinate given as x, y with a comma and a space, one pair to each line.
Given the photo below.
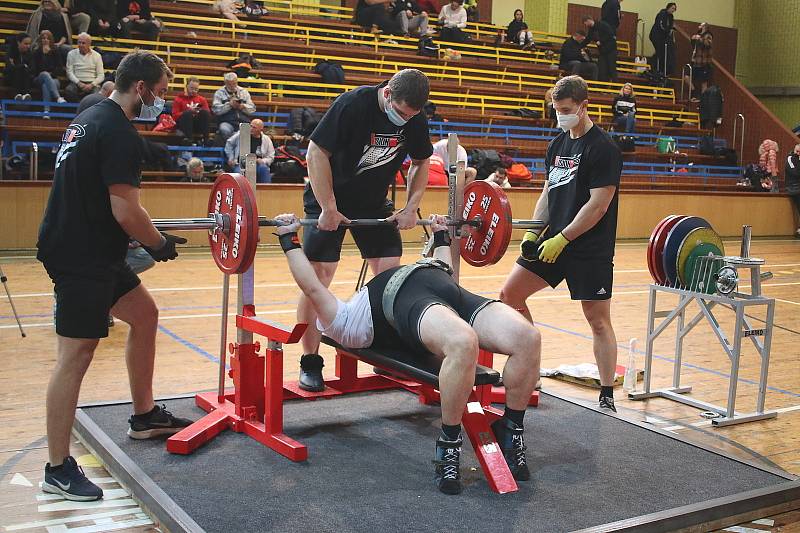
658, 249
233, 197
651, 243
487, 244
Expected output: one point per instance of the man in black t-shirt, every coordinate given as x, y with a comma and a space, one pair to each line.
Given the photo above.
579, 203
92, 212
353, 157
605, 36
432, 314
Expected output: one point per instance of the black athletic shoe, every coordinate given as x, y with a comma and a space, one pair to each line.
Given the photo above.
509, 437
448, 474
69, 481
110, 321
607, 403
311, 373
157, 422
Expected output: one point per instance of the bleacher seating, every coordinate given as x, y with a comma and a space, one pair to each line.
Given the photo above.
476, 95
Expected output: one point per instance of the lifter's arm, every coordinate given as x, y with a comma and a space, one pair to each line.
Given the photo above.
133, 218
323, 301
442, 251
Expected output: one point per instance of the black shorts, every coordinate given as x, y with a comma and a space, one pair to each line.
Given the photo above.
702, 73
86, 294
427, 287
587, 279
373, 241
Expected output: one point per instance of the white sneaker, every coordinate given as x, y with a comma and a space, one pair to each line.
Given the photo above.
18, 96
26, 96
61, 100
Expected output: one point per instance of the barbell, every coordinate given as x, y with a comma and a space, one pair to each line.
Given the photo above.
233, 223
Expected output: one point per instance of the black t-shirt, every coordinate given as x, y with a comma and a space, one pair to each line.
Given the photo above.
384, 335
100, 148
366, 149
574, 167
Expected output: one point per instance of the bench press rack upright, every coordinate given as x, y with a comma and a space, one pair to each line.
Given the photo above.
255, 405
739, 303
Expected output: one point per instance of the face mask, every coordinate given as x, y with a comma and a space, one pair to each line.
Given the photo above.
392, 114
150, 112
568, 121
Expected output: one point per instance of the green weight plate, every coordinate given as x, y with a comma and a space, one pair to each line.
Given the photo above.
700, 276
693, 239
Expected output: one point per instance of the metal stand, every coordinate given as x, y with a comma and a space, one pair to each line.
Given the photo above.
737, 302
3, 280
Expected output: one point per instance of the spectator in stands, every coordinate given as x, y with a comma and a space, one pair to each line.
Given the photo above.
500, 177
375, 16
18, 72
702, 58
194, 170
48, 16
624, 108
605, 37
90, 99
260, 145
410, 17
452, 19
518, 32
48, 65
661, 35
191, 112
574, 59
135, 17
440, 150
793, 184
78, 19
103, 14
232, 105
229, 9
611, 13
549, 107
84, 69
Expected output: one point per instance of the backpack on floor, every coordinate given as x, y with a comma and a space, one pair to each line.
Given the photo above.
706, 145
427, 47
519, 172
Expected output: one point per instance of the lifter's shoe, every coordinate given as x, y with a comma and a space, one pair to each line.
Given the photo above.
448, 458
155, 423
511, 441
607, 403
311, 373
69, 481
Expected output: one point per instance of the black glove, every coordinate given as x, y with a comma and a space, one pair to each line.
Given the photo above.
167, 250
529, 247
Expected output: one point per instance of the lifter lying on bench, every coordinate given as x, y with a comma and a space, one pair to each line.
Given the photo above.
421, 307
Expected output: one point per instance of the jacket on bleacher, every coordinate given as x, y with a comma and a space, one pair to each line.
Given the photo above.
182, 103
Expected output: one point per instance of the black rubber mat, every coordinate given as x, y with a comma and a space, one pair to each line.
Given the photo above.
369, 469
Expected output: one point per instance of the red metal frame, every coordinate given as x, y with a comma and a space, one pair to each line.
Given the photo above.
255, 406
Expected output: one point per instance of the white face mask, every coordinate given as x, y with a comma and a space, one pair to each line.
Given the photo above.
150, 112
568, 121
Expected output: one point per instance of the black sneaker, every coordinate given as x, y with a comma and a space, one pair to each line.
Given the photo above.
157, 422
110, 321
509, 437
448, 474
69, 481
607, 403
311, 373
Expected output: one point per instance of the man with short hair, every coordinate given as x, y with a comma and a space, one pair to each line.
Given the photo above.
84, 69
353, 157
194, 170
90, 99
579, 204
431, 313
260, 145
191, 112
232, 105
575, 59
605, 36
92, 213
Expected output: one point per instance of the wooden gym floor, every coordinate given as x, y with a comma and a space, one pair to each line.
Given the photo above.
188, 294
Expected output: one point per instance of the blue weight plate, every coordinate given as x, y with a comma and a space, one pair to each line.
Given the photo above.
673, 243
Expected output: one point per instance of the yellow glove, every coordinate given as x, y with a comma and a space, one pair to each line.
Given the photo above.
552, 248
528, 246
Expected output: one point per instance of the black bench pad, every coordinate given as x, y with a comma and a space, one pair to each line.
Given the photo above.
420, 366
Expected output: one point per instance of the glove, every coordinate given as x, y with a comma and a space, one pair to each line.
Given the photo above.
167, 250
550, 249
529, 247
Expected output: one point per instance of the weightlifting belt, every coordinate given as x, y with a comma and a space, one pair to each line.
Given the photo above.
399, 278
